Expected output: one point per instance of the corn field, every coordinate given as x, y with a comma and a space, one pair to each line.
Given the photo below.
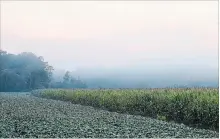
196, 107
23, 115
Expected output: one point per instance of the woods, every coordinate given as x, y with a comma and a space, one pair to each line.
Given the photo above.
26, 71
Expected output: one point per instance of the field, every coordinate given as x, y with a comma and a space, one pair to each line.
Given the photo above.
196, 107
23, 115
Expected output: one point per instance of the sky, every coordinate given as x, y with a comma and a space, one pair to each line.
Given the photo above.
113, 34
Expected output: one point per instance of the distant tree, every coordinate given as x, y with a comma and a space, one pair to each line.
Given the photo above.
24, 71
69, 82
66, 77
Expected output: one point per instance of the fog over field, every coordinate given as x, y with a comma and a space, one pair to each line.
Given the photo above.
109, 69
116, 44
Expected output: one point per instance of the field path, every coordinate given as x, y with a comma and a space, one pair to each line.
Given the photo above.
23, 115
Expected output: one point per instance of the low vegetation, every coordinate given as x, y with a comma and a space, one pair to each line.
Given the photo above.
25, 116
197, 107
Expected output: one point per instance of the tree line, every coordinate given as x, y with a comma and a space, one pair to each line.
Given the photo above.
26, 71
69, 82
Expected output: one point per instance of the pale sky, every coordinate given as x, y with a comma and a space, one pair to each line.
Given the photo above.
73, 34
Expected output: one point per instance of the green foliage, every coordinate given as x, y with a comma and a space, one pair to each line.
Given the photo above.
25, 116
24, 71
163, 118
197, 107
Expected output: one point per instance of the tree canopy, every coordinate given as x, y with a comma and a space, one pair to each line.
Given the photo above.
26, 71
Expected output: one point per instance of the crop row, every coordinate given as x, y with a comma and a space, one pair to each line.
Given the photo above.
26, 116
197, 107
